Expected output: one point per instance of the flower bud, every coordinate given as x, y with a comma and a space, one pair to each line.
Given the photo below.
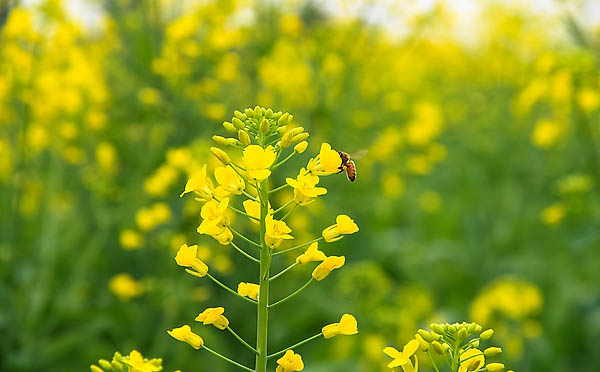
277, 115
269, 113
492, 352
301, 147
495, 367
282, 130
221, 141
437, 328
117, 366
297, 130
474, 343
249, 112
462, 334
437, 347
105, 364
472, 328
445, 347
221, 155
283, 120
264, 126
237, 123
300, 137
478, 328
451, 328
117, 356
240, 115
435, 336
486, 335
95, 368
258, 112
286, 140
244, 137
426, 335
423, 345
229, 127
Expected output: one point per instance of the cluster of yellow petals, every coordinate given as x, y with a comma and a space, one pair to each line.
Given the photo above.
257, 162
215, 223
249, 290
327, 162
187, 257
347, 326
229, 182
402, 358
327, 266
214, 316
471, 360
276, 232
344, 225
137, 363
185, 334
290, 362
201, 185
305, 187
312, 254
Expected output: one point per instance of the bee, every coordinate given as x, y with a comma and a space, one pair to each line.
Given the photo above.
348, 164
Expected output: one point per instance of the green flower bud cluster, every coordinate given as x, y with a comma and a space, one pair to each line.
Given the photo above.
133, 361
259, 126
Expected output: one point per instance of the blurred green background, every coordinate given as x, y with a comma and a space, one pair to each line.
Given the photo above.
477, 201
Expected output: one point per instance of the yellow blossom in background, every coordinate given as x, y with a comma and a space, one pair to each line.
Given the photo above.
276, 232
392, 185
576, 183
257, 162
148, 218
305, 190
249, 290
106, 157
185, 334
130, 239
213, 316
344, 225
546, 133
430, 201
347, 326
290, 362
426, 125
327, 266
125, 287
187, 257
588, 100
553, 214
149, 96
312, 254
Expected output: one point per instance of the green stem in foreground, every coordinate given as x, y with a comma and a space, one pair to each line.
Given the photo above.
227, 359
295, 345
293, 294
262, 325
432, 361
248, 256
283, 271
229, 289
298, 246
241, 340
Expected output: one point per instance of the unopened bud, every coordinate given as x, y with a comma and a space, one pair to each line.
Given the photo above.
221, 155
475, 343
472, 328
283, 120
240, 115
229, 127
301, 147
95, 368
116, 366
105, 364
492, 351
462, 334
286, 140
244, 137
437, 328
237, 123
221, 141
300, 137
445, 347
282, 130
451, 328
486, 335
478, 328
297, 130
277, 115
258, 112
269, 113
423, 345
249, 112
437, 347
495, 367
435, 336
264, 126
426, 335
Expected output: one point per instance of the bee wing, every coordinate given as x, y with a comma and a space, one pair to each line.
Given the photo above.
359, 154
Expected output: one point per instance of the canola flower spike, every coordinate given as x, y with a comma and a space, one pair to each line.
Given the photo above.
327, 266
185, 334
347, 326
344, 225
290, 362
187, 257
312, 254
213, 316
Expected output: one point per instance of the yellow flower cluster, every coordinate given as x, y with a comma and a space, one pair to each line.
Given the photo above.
134, 362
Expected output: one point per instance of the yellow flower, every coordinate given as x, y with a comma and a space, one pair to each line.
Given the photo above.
327, 266
213, 316
249, 290
186, 257
125, 287
290, 362
229, 182
185, 334
546, 133
276, 232
253, 209
130, 239
305, 190
201, 185
402, 359
347, 326
215, 222
588, 100
327, 162
554, 214
139, 364
344, 225
312, 254
257, 161
473, 358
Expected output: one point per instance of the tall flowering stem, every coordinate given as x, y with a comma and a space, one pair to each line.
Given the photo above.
263, 137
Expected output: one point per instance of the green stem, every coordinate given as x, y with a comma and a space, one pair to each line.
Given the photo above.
251, 198
293, 294
295, 345
298, 247
263, 297
229, 289
284, 271
243, 213
432, 361
288, 212
243, 237
279, 188
284, 160
283, 206
241, 340
239, 166
244, 253
241, 175
227, 359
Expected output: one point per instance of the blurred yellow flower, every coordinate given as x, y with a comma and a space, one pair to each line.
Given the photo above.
187, 257
257, 161
554, 214
185, 334
125, 287
276, 232
588, 100
213, 316
312, 254
130, 239
249, 290
430, 201
305, 190
426, 124
290, 362
149, 96
327, 266
344, 225
347, 326
546, 133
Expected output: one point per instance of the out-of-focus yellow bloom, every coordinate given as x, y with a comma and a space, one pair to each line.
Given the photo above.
250, 290
159, 182
276, 231
149, 218
347, 326
588, 100
392, 185
546, 133
149, 96
137, 362
402, 358
327, 162
471, 360
305, 190
554, 214
185, 334
327, 266
575, 184
344, 225
130, 239
187, 257
290, 362
201, 185
213, 316
106, 157
257, 161
125, 287
312, 254
430, 201
426, 124
229, 182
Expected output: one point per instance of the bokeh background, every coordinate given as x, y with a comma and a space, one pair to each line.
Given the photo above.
477, 200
